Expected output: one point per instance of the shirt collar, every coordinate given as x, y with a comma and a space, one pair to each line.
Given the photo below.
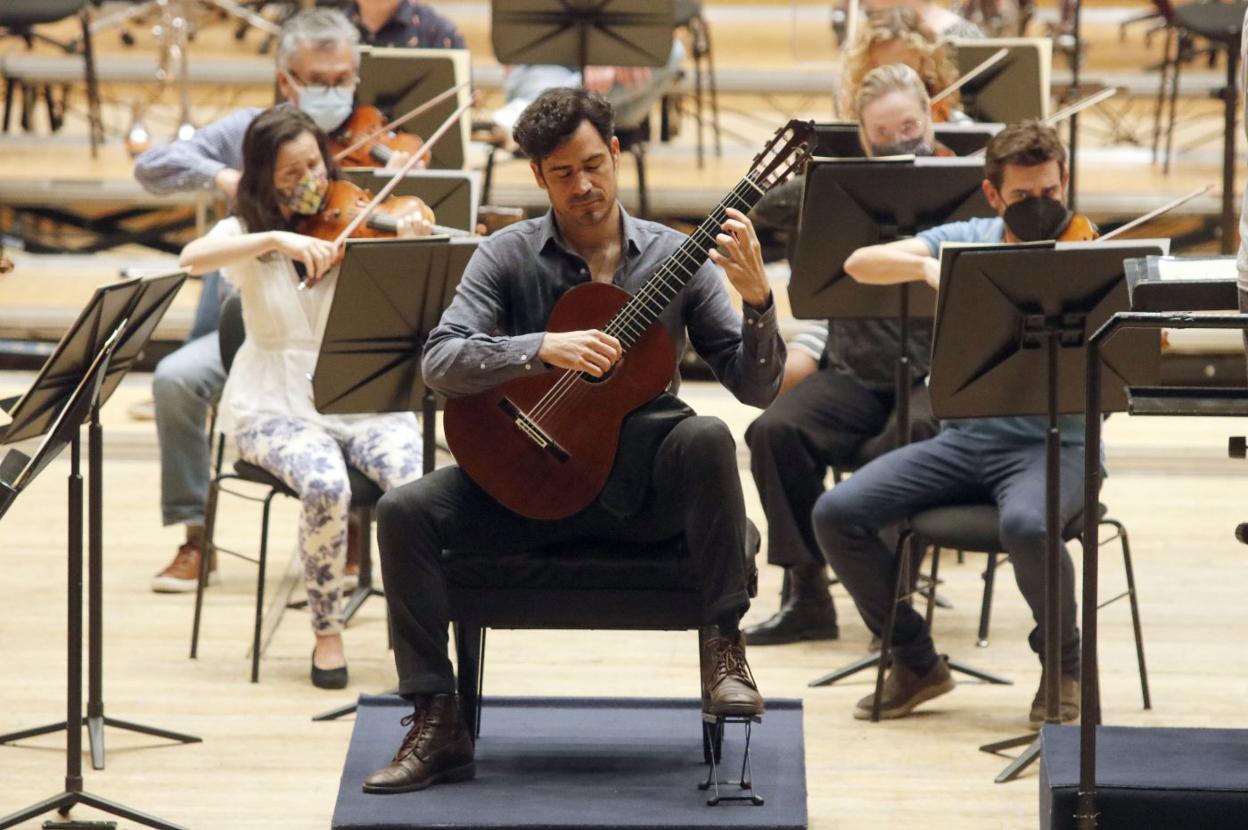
401, 19
550, 233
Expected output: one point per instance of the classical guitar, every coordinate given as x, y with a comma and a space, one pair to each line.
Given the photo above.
543, 446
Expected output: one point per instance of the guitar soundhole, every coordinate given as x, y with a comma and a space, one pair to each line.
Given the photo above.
588, 378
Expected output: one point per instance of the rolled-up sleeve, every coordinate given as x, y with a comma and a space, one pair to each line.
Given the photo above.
459, 357
744, 350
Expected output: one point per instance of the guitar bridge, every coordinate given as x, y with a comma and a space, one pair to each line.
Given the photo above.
529, 429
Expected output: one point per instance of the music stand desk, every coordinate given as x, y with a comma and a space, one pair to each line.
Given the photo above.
1007, 315
582, 32
1012, 90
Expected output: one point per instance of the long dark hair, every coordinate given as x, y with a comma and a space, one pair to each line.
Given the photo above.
257, 202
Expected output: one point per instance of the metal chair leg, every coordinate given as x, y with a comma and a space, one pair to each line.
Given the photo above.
264, 555
1135, 608
206, 554
901, 588
985, 608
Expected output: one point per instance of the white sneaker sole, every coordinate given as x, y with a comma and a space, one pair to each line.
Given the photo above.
172, 585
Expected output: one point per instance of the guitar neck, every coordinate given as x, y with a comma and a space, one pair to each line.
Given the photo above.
657, 293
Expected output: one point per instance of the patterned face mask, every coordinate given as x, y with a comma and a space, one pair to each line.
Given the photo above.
308, 194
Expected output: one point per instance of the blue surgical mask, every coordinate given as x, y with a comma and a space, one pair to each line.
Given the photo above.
328, 106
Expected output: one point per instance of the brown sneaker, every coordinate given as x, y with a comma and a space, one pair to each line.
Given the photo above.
351, 571
182, 574
728, 687
437, 748
904, 690
1069, 702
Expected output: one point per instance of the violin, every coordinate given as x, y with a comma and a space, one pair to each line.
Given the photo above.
941, 111
1079, 229
367, 140
345, 202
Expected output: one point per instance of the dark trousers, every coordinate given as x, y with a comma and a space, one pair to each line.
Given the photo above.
949, 469
829, 419
695, 489
1243, 306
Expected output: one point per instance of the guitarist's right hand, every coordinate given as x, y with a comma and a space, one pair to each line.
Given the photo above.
592, 352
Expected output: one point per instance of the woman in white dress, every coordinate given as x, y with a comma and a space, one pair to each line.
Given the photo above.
287, 283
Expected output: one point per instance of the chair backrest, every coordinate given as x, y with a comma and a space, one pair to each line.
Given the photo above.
231, 333
20, 14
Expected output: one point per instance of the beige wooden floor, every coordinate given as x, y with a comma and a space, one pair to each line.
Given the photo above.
264, 764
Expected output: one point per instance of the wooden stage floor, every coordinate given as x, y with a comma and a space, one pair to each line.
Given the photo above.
264, 764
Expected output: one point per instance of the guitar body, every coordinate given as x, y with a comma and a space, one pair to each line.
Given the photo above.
581, 429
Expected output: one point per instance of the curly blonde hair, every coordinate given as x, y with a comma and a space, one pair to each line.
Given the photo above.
899, 23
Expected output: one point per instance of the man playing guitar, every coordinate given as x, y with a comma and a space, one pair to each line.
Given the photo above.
676, 472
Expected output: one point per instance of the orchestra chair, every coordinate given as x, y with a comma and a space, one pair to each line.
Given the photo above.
611, 585
975, 528
18, 19
1179, 48
364, 497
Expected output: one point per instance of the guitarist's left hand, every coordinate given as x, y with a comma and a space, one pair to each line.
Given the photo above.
741, 257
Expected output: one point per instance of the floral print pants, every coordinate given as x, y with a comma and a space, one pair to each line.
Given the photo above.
313, 463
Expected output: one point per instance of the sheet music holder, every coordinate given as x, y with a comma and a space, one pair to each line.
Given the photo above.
452, 194
16, 472
848, 204
839, 139
1190, 283
582, 32
1009, 316
140, 304
1016, 88
390, 295
399, 80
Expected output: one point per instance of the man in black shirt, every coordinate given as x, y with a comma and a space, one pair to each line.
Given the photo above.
403, 23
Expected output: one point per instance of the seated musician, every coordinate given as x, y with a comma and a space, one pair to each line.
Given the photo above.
841, 410
266, 407
679, 471
898, 35
936, 16
997, 460
403, 23
317, 58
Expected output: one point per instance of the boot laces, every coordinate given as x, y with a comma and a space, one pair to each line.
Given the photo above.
729, 661
420, 725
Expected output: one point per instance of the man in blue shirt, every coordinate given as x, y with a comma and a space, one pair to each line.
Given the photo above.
1000, 460
676, 472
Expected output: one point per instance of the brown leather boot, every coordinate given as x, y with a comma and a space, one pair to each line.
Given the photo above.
728, 687
437, 749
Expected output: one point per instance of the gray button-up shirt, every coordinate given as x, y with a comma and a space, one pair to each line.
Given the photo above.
494, 326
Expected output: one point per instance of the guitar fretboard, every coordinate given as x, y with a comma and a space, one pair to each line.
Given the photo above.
658, 292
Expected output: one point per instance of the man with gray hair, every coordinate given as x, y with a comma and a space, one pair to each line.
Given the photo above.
318, 56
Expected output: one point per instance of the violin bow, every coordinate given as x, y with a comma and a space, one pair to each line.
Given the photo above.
1153, 214
423, 152
979, 69
401, 120
1061, 115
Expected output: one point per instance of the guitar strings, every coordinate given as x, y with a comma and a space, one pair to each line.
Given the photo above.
635, 310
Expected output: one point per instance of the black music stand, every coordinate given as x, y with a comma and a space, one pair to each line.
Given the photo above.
1013, 89
582, 32
390, 295
1006, 316
399, 80
839, 139
869, 202
16, 472
141, 303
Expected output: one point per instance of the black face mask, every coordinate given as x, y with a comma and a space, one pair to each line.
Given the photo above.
909, 147
1037, 218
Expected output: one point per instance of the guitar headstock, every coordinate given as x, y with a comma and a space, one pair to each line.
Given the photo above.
784, 154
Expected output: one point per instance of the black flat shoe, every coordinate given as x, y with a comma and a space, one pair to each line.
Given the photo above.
328, 678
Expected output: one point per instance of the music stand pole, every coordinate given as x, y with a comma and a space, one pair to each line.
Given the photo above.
1076, 66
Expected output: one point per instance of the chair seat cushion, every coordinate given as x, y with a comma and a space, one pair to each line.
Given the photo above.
1221, 22
973, 527
364, 491
597, 564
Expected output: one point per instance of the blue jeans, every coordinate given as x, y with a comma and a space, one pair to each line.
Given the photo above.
184, 387
951, 468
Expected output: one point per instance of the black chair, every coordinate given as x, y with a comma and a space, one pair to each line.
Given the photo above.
364, 497
595, 585
975, 528
688, 16
18, 18
1221, 25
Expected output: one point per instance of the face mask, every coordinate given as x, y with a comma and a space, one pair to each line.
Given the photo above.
916, 146
328, 107
1037, 218
308, 194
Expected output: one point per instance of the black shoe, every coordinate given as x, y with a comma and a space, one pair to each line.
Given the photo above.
437, 748
806, 614
328, 678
